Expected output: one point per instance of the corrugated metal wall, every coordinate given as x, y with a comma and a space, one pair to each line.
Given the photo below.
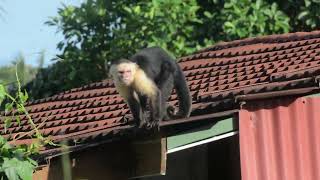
280, 139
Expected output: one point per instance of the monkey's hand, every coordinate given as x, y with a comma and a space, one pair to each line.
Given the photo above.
149, 123
128, 118
153, 125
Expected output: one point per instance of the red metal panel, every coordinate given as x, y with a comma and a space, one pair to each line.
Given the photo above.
279, 140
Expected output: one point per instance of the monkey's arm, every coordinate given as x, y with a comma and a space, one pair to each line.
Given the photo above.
136, 109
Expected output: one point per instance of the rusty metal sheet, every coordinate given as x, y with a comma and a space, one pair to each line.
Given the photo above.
279, 139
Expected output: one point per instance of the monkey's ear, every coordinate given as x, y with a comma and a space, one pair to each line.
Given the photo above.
107, 66
107, 63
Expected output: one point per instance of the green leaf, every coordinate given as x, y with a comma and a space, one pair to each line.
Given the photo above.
268, 12
26, 96
229, 25
303, 14
152, 13
309, 22
137, 9
18, 120
208, 14
16, 169
60, 45
7, 122
144, 28
307, 2
8, 107
127, 9
196, 20
258, 4
2, 93
23, 97
10, 168
101, 12
228, 5
25, 170
2, 140
5, 147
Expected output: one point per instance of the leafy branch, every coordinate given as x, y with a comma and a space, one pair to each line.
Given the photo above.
15, 161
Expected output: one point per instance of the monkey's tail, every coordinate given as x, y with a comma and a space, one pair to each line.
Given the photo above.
183, 95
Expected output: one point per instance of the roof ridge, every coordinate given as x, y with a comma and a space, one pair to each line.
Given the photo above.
99, 84
274, 38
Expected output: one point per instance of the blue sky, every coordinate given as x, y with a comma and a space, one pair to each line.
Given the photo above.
22, 29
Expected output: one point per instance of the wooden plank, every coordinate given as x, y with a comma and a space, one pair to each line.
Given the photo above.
150, 157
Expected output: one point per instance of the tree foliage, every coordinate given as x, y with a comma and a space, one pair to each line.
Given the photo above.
247, 18
99, 30
304, 14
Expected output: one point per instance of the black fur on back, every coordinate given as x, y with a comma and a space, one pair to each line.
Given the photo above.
159, 66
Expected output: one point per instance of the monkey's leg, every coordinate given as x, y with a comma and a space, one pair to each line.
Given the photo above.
166, 86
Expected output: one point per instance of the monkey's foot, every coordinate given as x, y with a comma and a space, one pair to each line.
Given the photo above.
171, 110
172, 113
127, 118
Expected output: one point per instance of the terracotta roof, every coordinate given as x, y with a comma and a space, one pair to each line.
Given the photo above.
218, 77
254, 65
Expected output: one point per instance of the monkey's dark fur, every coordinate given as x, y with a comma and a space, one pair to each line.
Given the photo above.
154, 75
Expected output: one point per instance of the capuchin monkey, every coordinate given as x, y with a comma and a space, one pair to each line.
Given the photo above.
149, 77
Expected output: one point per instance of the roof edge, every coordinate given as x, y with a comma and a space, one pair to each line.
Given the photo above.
274, 38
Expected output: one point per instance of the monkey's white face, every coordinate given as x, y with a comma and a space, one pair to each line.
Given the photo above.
124, 73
